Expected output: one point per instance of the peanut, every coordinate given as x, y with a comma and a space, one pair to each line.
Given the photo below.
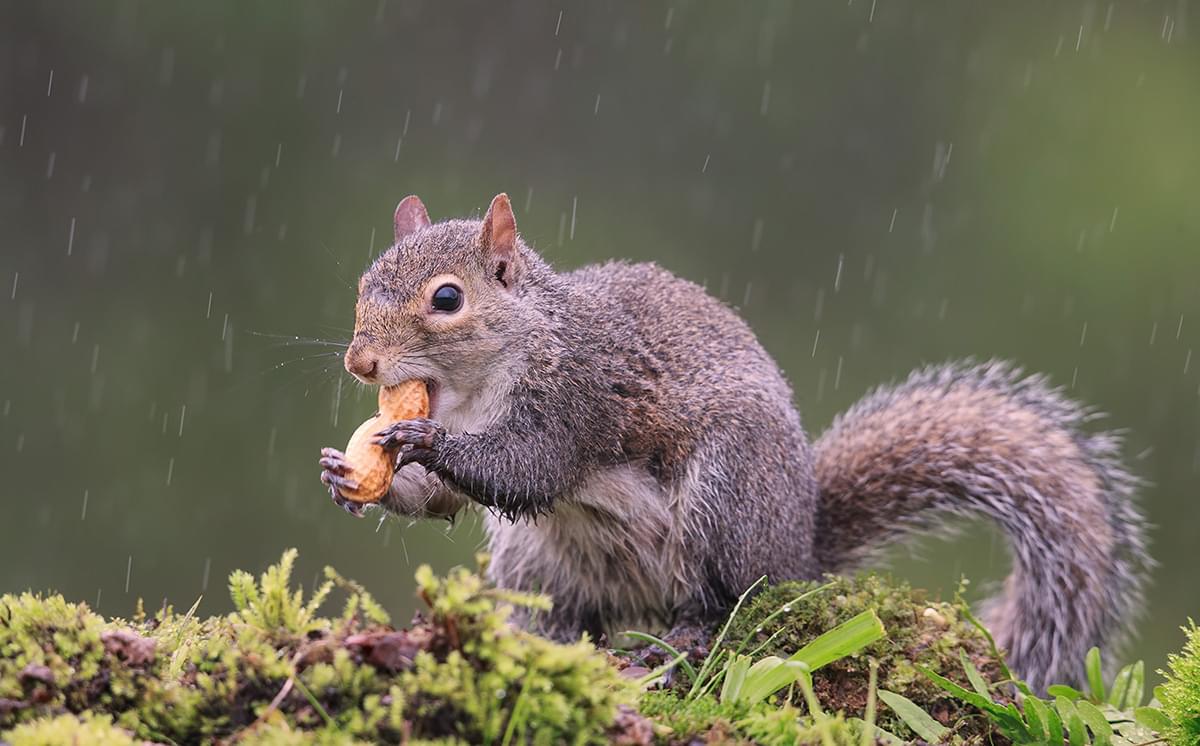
372, 466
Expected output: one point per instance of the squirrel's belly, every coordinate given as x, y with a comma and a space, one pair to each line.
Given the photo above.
613, 551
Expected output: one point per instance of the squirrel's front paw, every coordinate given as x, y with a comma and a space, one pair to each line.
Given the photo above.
417, 440
335, 475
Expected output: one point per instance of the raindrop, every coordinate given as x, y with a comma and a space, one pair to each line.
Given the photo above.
128, 572
892, 225
574, 205
707, 158
816, 341
166, 67
170, 470
16, 277
182, 415
83, 513
50, 165
71, 238
208, 311
837, 377
21, 139
50, 84
558, 24
1180, 329
204, 575
83, 88
251, 206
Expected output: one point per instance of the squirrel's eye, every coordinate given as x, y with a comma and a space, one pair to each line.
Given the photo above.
448, 298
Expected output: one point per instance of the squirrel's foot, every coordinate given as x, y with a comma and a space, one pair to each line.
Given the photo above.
417, 440
333, 475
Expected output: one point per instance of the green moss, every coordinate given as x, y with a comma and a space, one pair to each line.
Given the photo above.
275, 671
69, 730
1180, 695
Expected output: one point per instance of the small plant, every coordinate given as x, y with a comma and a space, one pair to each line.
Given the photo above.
1102, 716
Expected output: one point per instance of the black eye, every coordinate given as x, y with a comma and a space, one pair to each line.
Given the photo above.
447, 298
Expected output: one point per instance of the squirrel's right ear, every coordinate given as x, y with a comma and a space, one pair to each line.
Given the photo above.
498, 239
411, 216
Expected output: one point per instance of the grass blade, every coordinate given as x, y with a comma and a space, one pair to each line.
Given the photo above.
914, 717
846, 638
1102, 732
1076, 732
1095, 675
1037, 716
1137, 686
977, 682
1120, 688
735, 678
869, 713
698, 682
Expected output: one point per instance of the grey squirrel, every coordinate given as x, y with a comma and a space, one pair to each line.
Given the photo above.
643, 463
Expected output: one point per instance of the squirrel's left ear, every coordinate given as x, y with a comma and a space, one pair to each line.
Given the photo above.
498, 239
411, 216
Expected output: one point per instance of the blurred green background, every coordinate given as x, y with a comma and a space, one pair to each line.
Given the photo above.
875, 184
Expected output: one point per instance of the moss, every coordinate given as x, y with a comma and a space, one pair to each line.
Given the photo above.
69, 730
920, 631
1180, 694
275, 671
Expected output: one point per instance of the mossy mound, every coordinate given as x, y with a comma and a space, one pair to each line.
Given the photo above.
921, 632
275, 672
783, 618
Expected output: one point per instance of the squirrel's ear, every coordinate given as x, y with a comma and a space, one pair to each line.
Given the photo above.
499, 240
410, 217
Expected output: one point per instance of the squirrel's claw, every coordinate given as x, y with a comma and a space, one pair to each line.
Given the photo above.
423, 435
336, 483
335, 465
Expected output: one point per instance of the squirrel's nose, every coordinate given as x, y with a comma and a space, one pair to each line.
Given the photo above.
364, 367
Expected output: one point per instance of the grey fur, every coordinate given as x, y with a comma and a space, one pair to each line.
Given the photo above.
643, 463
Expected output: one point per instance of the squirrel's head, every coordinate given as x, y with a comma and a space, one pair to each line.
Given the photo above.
443, 304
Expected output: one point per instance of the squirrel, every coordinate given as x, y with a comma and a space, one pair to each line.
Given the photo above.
642, 462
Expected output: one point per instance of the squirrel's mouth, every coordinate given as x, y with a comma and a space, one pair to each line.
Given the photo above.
432, 387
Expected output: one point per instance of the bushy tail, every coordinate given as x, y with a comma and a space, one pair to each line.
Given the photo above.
981, 440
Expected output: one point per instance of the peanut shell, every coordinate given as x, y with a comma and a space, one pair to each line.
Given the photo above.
371, 465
